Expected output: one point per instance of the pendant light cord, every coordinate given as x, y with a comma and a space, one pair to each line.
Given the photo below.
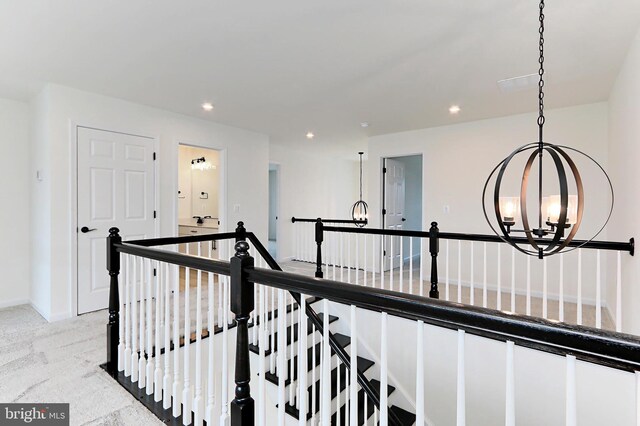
541, 118
361, 174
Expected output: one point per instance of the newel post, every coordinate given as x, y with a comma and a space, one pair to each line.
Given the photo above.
434, 248
113, 266
242, 303
319, 239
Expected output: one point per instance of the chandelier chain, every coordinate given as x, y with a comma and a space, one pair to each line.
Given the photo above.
541, 118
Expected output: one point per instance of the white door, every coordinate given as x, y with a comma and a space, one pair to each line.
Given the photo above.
394, 189
116, 187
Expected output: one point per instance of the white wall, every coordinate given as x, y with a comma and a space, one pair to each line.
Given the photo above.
245, 153
624, 153
313, 184
456, 162
14, 196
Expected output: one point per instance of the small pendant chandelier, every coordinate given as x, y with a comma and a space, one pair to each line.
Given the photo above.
360, 209
556, 213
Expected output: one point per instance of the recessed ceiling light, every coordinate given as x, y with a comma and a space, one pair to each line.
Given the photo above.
310, 135
454, 109
207, 106
364, 124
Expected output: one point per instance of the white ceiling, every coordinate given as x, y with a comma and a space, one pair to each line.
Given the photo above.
284, 67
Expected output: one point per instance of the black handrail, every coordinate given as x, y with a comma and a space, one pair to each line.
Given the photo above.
318, 324
165, 241
344, 221
612, 349
602, 245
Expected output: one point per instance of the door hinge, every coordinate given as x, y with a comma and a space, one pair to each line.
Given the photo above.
154, 272
384, 170
155, 214
384, 252
154, 156
384, 211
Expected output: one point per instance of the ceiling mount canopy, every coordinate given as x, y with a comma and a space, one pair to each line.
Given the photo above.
556, 214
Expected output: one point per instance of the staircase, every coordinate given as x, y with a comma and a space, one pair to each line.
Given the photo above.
339, 375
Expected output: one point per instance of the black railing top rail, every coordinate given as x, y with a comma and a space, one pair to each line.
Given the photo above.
602, 245
165, 241
616, 350
343, 221
185, 260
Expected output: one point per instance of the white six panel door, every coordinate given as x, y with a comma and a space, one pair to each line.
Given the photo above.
394, 194
116, 187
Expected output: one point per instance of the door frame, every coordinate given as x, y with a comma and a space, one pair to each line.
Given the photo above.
278, 168
222, 196
73, 199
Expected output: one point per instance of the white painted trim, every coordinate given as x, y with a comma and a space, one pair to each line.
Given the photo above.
14, 302
73, 207
278, 169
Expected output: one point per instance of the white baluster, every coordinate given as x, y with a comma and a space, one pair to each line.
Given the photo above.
281, 355
446, 271
460, 388
210, 355
571, 407
272, 327
338, 399
198, 401
510, 404
382, 262
157, 374
598, 292
401, 264
544, 288
471, 289
579, 302
373, 261
341, 257
619, 294
292, 382
459, 271
166, 280
150, 364
364, 256
513, 280
499, 291
134, 322
528, 285
637, 398
484, 275
127, 316
410, 265
384, 402
419, 373
422, 256
314, 404
391, 262
302, 364
325, 398
177, 383
561, 290
353, 398
142, 366
334, 252
224, 393
186, 349
357, 258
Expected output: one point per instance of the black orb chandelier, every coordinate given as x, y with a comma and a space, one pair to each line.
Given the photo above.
359, 210
556, 213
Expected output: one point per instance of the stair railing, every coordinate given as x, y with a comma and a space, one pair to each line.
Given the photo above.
367, 256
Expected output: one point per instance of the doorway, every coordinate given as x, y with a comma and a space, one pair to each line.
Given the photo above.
115, 188
199, 199
274, 197
402, 205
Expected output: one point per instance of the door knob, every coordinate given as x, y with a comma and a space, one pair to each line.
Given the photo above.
84, 229
404, 220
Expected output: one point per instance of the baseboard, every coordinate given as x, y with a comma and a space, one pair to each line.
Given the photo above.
13, 302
